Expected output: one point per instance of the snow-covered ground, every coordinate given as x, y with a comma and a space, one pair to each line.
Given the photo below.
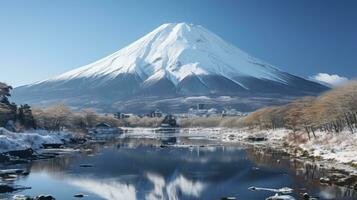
242, 135
340, 147
10, 141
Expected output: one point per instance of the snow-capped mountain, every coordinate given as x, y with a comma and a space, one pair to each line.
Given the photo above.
174, 60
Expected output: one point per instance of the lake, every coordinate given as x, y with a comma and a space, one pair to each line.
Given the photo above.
173, 168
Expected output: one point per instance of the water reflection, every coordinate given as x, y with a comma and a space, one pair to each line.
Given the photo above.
306, 174
105, 189
175, 168
174, 189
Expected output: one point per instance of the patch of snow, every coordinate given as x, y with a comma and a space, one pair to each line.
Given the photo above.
197, 98
241, 135
10, 141
333, 146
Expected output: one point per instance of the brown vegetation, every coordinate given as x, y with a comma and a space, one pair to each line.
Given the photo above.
59, 117
333, 111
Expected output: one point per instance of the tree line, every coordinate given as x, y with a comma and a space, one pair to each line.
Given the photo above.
333, 111
60, 117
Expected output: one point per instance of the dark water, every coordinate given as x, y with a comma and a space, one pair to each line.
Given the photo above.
142, 169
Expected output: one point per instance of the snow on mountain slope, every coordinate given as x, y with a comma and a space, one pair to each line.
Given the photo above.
174, 60
176, 51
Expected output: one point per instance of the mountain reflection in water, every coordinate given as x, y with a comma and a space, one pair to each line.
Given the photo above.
114, 190
195, 168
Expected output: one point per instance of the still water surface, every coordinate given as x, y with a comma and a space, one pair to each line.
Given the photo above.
139, 168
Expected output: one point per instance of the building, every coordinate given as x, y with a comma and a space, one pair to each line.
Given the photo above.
120, 115
103, 128
212, 112
232, 112
200, 106
103, 125
156, 114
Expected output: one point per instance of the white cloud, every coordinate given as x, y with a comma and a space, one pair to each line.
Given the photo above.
329, 79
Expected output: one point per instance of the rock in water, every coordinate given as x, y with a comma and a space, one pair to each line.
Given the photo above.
52, 146
228, 198
6, 189
86, 165
40, 197
44, 197
284, 190
325, 180
306, 196
22, 197
79, 195
4, 158
256, 138
280, 197
9, 189
26, 153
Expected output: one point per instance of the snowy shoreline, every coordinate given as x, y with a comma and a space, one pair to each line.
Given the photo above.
10, 141
334, 154
339, 150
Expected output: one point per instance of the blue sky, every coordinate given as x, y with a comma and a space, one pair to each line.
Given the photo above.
41, 39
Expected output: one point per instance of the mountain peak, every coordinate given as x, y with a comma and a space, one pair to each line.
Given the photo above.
178, 25
177, 50
176, 59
